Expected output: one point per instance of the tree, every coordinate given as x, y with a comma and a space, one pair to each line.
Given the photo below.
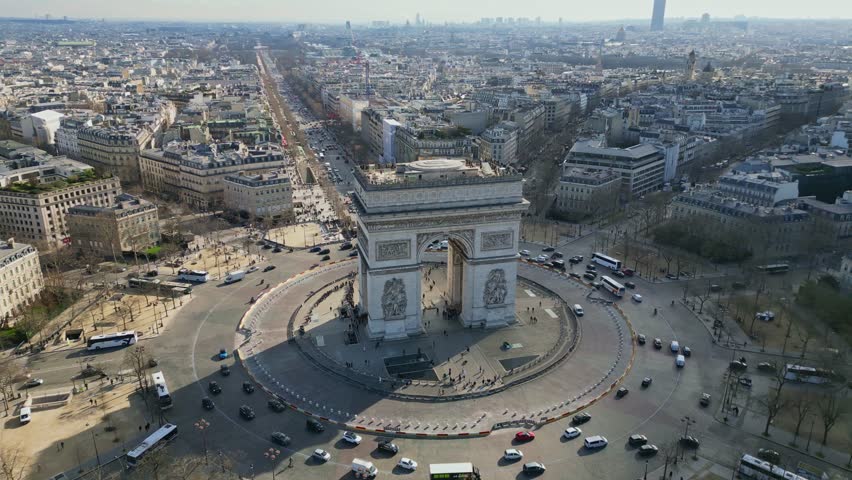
702, 298
774, 402
830, 407
802, 404
138, 360
10, 373
13, 463
669, 452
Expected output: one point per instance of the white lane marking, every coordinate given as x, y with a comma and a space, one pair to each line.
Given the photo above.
320, 341
550, 312
530, 293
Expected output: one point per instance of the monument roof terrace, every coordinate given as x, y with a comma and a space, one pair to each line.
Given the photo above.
428, 172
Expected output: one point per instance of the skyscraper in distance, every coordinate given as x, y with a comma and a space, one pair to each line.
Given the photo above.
658, 16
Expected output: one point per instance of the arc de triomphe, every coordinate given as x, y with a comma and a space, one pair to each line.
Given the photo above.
402, 210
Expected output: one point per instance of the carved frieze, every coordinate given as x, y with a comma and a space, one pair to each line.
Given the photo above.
495, 290
497, 240
393, 250
394, 300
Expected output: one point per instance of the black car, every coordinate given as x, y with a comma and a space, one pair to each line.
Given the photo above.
689, 442
280, 439
314, 249
275, 405
589, 275
325, 257
548, 249
276, 250
248, 387
630, 285
618, 273
556, 255
648, 450
388, 446
267, 246
353, 253
766, 366
622, 391
346, 245
746, 382
640, 339
246, 412
581, 418
592, 267
269, 268
658, 344
770, 456
534, 467
152, 273
207, 403
637, 440
224, 370
214, 388
575, 275
574, 260
314, 425
686, 351
646, 382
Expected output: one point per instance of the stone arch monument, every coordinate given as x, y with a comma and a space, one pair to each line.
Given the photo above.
402, 210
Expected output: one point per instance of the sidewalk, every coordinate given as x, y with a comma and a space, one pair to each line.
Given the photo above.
692, 469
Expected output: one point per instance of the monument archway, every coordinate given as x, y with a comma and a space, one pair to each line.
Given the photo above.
402, 210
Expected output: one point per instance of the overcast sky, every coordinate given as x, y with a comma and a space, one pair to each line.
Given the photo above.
336, 11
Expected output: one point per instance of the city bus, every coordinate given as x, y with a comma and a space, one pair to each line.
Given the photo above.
762, 470
453, 471
609, 262
197, 276
154, 442
112, 340
612, 286
799, 373
775, 268
161, 390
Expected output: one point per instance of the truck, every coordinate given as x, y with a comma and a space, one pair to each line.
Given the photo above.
453, 471
363, 468
235, 276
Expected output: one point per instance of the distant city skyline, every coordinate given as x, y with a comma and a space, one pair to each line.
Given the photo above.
437, 11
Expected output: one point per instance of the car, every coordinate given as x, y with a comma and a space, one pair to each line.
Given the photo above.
671, 276
325, 257
248, 387
597, 285
246, 412
268, 268
589, 275
314, 249
687, 352
738, 365
33, 382
574, 260
770, 456
648, 450
251, 269
630, 285
581, 418
351, 437
512, 454
353, 253
575, 275
548, 249
689, 442
705, 399
745, 381
637, 440
618, 273
629, 272
646, 382
595, 441
224, 370
152, 273
324, 251
345, 245
640, 339
541, 258
407, 464
766, 367
280, 439
321, 455
388, 446
223, 354
622, 391
207, 404
314, 425
572, 432
525, 436
534, 467
658, 344
556, 255
524, 253
637, 298
592, 267
214, 388
275, 405
267, 246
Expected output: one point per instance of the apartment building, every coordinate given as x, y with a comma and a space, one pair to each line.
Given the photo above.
583, 192
131, 224
21, 279
114, 150
267, 196
499, 144
761, 189
641, 167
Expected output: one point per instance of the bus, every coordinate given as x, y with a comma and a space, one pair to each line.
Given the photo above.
154, 442
197, 276
157, 284
161, 390
609, 262
453, 471
612, 286
762, 470
112, 340
775, 268
799, 373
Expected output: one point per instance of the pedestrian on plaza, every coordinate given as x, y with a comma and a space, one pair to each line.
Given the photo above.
62, 445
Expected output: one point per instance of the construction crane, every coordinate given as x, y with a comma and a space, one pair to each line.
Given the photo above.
360, 58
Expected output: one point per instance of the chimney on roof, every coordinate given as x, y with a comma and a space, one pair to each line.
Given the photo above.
10, 242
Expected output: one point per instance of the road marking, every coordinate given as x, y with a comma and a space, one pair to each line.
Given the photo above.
550, 312
320, 341
530, 293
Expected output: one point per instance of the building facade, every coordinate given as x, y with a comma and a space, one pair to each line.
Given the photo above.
267, 196
499, 144
587, 192
21, 279
642, 167
131, 224
114, 150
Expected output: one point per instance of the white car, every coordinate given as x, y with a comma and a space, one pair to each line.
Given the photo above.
572, 432
407, 464
513, 454
541, 258
524, 253
352, 438
637, 298
251, 269
321, 455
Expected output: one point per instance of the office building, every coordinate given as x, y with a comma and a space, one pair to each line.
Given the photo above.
131, 224
641, 167
658, 16
583, 192
268, 196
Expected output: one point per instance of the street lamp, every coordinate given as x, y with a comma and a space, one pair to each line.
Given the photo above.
272, 454
202, 426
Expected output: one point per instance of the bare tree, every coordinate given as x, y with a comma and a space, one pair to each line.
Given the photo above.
830, 407
702, 298
13, 463
802, 404
669, 452
774, 402
138, 360
10, 373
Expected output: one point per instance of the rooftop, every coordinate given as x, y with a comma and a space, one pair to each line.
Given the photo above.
437, 171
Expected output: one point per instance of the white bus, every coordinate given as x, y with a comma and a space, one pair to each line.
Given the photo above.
154, 442
161, 390
197, 276
762, 470
609, 262
612, 286
799, 373
112, 340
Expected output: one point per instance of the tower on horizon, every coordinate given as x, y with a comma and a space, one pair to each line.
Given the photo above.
658, 16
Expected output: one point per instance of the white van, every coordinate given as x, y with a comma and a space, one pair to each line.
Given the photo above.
596, 441
675, 347
26, 415
578, 310
680, 361
363, 468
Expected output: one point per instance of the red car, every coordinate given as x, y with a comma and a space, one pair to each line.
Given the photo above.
524, 436
627, 272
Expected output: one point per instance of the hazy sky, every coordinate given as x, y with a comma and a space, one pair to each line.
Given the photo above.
433, 10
